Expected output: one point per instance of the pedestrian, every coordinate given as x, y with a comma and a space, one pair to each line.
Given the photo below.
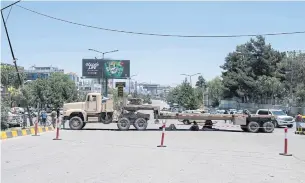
298, 121
53, 116
44, 117
226, 112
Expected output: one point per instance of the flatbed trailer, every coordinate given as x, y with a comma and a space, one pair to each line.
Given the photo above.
95, 110
248, 122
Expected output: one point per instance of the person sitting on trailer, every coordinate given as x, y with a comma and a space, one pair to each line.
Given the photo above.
194, 127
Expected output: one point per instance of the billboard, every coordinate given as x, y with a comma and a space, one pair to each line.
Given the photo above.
116, 69
111, 69
92, 68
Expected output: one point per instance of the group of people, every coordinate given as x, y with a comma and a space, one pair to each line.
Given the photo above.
54, 114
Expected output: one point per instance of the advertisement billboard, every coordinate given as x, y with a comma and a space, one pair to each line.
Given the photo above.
111, 69
92, 68
116, 69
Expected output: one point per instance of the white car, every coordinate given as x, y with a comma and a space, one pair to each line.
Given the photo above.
281, 118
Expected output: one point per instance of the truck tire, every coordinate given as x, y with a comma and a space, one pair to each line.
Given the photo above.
76, 123
108, 119
268, 127
123, 124
253, 127
140, 124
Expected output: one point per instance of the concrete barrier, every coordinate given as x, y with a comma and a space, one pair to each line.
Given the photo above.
23, 132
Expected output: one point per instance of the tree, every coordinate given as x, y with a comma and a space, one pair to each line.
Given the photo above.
201, 83
292, 72
215, 91
62, 89
186, 96
172, 96
5, 108
9, 76
245, 65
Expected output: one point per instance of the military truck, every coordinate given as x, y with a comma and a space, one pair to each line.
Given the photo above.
97, 109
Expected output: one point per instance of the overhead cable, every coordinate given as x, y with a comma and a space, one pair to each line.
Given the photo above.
160, 35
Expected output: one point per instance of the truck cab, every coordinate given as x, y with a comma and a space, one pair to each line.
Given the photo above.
281, 118
95, 108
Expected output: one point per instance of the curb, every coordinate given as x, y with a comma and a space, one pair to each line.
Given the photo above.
299, 133
24, 132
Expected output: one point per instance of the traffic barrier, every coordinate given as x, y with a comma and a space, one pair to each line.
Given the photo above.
163, 134
57, 130
285, 153
300, 131
36, 128
23, 132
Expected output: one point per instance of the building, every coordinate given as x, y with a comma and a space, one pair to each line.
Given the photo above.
34, 72
73, 76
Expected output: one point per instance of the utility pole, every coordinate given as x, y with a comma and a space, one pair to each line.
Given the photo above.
13, 56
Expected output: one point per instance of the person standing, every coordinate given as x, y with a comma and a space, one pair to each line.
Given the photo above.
53, 116
44, 118
226, 112
298, 121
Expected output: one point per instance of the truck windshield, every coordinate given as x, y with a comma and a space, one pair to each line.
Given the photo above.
279, 113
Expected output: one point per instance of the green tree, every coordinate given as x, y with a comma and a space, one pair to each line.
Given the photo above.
186, 97
245, 65
172, 96
5, 108
62, 89
9, 76
201, 83
215, 91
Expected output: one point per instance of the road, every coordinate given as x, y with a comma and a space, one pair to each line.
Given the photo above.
95, 155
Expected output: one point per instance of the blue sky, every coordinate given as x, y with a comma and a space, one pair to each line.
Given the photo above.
43, 42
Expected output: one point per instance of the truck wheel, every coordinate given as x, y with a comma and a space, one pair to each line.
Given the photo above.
253, 127
268, 127
123, 124
106, 119
140, 124
76, 123
186, 122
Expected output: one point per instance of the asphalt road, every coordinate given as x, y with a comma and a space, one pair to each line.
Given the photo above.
94, 155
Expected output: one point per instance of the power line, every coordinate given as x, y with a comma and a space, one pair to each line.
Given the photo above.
160, 35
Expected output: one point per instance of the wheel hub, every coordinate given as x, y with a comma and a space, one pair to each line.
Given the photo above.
253, 126
268, 127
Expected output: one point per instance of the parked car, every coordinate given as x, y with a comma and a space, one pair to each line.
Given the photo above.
281, 118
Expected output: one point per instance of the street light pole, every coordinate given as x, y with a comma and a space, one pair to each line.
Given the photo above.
129, 82
103, 56
13, 55
190, 76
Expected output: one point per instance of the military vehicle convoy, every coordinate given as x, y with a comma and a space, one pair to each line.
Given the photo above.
97, 109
